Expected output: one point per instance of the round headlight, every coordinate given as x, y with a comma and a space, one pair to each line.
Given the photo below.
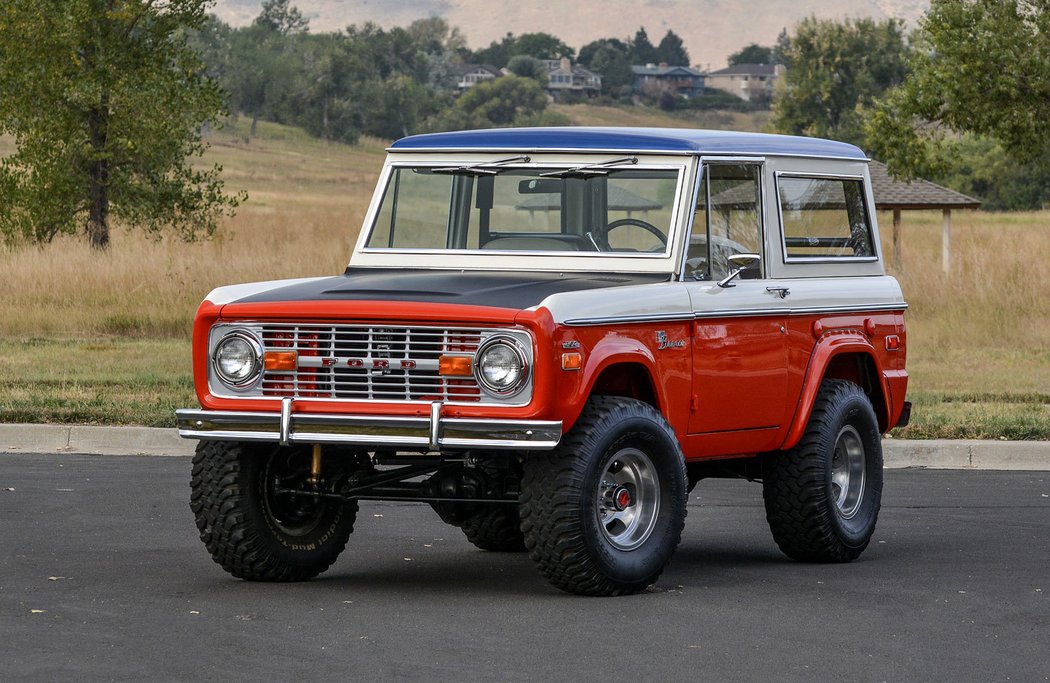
502, 366
238, 359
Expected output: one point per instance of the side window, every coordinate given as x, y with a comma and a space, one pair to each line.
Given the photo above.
824, 218
728, 221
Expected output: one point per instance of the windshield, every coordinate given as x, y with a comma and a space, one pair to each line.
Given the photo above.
491, 209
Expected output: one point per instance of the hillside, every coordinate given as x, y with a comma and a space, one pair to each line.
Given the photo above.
711, 29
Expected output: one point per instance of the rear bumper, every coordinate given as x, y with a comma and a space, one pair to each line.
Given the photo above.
431, 433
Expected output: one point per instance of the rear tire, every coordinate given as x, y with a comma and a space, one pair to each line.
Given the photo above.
603, 512
823, 496
496, 528
253, 530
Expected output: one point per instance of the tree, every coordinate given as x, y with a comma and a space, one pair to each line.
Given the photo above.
501, 101
672, 51
615, 68
778, 55
528, 67
591, 49
105, 101
837, 71
541, 46
980, 66
642, 51
538, 45
281, 17
752, 54
433, 35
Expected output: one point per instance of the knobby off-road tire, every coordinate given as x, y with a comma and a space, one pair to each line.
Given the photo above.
255, 533
603, 512
496, 528
823, 497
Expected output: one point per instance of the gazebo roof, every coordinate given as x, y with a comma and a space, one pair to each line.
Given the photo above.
917, 194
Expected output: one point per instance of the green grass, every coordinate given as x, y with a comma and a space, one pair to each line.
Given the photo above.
143, 381
968, 415
97, 381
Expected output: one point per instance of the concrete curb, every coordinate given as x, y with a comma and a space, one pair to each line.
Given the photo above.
898, 453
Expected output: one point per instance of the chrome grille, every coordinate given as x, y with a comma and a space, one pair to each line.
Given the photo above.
369, 362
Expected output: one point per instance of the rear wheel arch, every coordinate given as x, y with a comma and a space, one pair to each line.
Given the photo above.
848, 356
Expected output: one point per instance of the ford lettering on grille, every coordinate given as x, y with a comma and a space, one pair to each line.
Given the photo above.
349, 362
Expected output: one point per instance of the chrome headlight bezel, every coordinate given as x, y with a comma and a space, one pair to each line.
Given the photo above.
519, 351
256, 370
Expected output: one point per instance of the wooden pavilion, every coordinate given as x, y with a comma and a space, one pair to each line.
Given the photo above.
917, 195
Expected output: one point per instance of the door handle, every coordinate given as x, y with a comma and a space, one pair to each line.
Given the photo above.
780, 292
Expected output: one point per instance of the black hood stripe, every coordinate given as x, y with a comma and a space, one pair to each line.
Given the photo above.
500, 290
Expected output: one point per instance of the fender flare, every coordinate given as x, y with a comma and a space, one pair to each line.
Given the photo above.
832, 343
614, 350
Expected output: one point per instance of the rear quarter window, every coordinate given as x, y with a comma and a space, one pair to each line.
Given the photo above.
824, 219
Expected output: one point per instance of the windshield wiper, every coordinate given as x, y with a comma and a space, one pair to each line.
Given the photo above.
483, 168
600, 168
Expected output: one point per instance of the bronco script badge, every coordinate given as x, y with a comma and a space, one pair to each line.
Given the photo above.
663, 343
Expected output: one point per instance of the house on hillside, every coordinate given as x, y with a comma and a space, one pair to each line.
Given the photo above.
749, 82
470, 75
565, 77
681, 80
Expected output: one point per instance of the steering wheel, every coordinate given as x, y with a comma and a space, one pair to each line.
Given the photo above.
638, 223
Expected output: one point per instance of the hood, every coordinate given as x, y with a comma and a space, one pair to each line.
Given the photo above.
514, 290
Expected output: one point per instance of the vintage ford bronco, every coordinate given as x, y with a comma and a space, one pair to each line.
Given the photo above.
550, 336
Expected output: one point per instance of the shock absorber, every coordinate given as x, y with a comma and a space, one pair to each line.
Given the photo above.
315, 467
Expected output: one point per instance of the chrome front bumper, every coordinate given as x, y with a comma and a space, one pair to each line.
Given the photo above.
431, 433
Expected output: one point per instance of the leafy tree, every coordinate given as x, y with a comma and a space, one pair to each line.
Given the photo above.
642, 51
434, 36
615, 68
279, 16
528, 67
981, 168
538, 45
541, 46
980, 66
262, 72
837, 71
752, 54
105, 101
501, 101
672, 51
591, 49
323, 103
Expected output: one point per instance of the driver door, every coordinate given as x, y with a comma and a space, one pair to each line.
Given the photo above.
740, 340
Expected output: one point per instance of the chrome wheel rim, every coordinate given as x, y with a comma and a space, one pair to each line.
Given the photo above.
628, 500
848, 472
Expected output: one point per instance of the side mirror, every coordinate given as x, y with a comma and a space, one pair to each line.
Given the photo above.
742, 262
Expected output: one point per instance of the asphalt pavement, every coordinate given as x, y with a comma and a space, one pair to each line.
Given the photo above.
102, 577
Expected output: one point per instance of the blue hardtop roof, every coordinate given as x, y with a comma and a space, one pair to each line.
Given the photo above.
641, 140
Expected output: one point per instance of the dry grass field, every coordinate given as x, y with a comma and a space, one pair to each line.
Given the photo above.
105, 338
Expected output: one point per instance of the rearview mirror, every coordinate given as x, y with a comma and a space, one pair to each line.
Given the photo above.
540, 186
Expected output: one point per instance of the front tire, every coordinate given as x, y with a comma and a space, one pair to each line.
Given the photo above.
604, 511
251, 527
823, 497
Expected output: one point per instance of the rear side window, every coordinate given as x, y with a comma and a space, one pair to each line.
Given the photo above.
824, 219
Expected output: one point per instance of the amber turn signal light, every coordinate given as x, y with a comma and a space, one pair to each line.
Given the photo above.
456, 366
571, 361
281, 360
